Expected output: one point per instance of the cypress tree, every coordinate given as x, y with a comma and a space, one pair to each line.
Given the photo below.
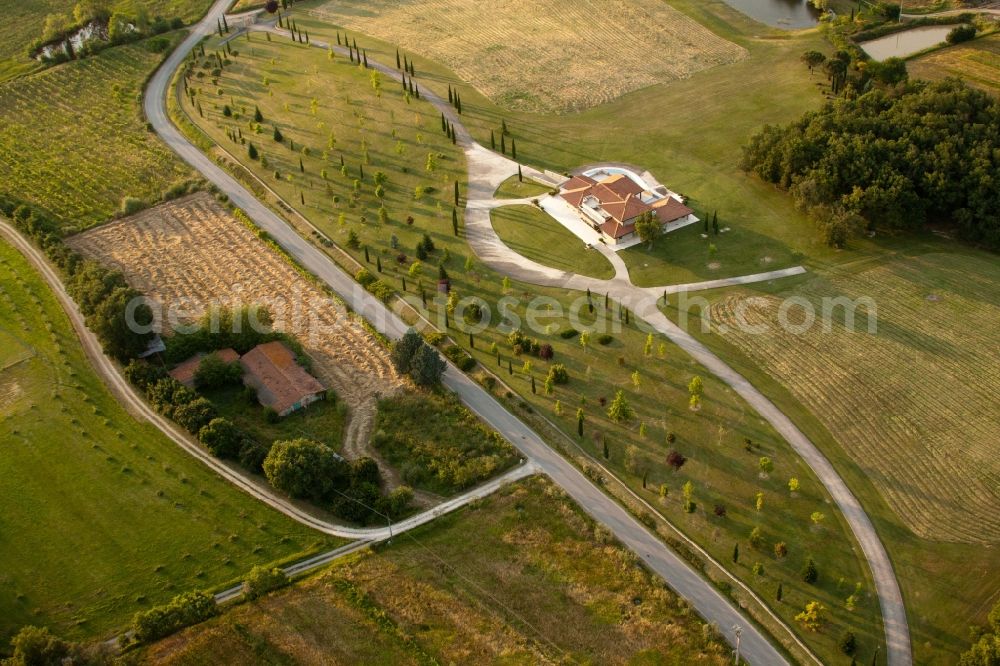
579, 424
225, 25
355, 44
513, 149
715, 222
378, 264
291, 144
472, 341
645, 475
493, 141
413, 90
404, 82
413, 71
307, 36
454, 220
302, 167
503, 144
451, 98
342, 159
416, 87
365, 53
520, 176
423, 298
605, 300
338, 39
444, 125
736, 553
503, 125
302, 198
454, 139
607, 451
218, 24
532, 384
361, 171
397, 59
510, 368
456, 192
257, 115
404, 282
367, 259
458, 103
779, 592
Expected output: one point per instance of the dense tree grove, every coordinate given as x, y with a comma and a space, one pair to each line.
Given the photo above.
900, 158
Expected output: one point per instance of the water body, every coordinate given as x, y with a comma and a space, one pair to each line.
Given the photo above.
902, 44
784, 14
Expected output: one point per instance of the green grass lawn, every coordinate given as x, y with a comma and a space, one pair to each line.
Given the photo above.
73, 140
103, 516
533, 233
322, 421
690, 254
721, 471
512, 188
523, 576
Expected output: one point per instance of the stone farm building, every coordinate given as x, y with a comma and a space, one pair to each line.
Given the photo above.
273, 372
281, 383
612, 204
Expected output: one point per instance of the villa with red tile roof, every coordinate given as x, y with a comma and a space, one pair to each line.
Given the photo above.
612, 204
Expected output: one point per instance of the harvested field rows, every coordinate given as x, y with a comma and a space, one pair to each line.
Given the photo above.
977, 63
925, 438
72, 139
550, 56
193, 253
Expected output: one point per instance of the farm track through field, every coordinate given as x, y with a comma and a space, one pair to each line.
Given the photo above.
192, 253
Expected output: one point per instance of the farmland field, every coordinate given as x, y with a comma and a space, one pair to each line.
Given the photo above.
73, 141
535, 235
926, 440
521, 577
721, 470
24, 21
551, 56
193, 252
977, 63
102, 515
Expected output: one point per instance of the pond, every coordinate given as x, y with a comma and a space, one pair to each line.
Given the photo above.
902, 44
784, 14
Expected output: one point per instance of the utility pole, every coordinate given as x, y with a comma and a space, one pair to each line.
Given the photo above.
739, 632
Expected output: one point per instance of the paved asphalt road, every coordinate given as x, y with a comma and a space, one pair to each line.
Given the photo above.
706, 600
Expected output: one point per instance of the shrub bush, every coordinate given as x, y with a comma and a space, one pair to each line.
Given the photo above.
131, 205
962, 33
558, 373
459, 357
262, 580
604, 339
183, 611
568, 333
